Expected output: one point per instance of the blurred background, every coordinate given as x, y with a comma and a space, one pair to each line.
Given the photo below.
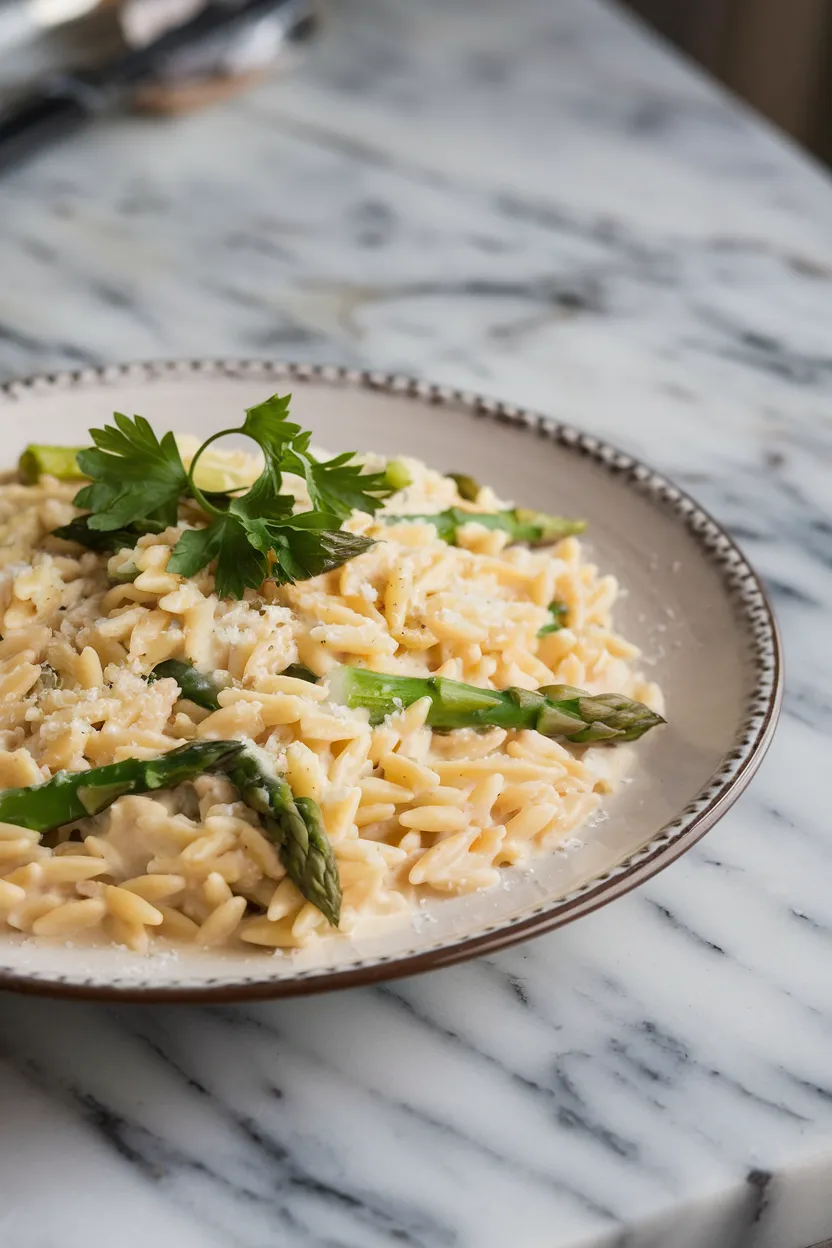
491, 193
776, 54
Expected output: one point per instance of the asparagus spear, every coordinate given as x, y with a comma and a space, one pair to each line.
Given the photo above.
193, 684
299, 672
72, 795
202, 689
295, 827
467, 487
396, 475
54, 461
554, 710
294, 824
520, 523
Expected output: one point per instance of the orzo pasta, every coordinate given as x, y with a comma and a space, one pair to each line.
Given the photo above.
410, 813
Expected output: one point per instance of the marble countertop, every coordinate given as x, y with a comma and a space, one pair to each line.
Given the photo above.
537, 200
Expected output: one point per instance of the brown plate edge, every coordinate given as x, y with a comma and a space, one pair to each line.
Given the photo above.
605, 889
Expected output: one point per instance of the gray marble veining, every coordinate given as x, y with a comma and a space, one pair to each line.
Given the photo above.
537, 200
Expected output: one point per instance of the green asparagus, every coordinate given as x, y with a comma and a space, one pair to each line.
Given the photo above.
554, 710
193, 684
72, 795
53, 461
298, 672
467, 487
522, 525
295, 827
396, 475
202, 689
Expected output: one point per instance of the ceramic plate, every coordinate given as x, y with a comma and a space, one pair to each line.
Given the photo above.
693, 605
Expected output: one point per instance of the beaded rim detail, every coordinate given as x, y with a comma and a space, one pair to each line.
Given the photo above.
721, 790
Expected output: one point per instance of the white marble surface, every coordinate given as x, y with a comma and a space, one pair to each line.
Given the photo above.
534, 199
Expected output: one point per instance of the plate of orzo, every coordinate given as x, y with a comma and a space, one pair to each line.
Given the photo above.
276, 718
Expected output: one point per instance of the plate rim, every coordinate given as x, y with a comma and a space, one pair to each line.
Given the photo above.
727, 782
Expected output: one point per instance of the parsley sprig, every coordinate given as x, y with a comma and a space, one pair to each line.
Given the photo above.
138, 480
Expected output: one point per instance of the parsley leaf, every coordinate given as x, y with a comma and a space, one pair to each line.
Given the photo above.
338, 486
196, 548
268, 424
135, 477
78, 530
250, 550
310, 544
239, 565
558, 612
138, 480
341, 486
